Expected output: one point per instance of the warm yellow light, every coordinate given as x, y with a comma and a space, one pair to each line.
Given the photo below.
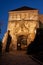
35, 31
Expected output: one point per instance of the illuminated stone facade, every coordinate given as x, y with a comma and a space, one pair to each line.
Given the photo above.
22, 23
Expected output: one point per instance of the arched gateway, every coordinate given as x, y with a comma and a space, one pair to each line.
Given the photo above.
22, 23
21, 42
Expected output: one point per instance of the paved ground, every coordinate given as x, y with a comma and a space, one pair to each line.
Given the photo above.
17, 58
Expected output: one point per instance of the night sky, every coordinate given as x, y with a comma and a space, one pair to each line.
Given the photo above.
7, 5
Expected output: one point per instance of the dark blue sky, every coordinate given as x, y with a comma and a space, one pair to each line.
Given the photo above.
6, 5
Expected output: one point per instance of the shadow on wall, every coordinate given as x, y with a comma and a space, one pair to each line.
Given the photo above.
37, 45
8, 42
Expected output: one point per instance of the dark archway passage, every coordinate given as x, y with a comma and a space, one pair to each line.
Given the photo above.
21, 42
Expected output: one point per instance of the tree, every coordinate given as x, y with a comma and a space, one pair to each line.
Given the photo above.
1, 24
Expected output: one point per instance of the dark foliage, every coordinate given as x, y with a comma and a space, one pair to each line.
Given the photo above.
37, 45
0, 47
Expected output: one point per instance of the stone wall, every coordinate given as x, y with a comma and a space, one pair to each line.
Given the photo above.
22, 23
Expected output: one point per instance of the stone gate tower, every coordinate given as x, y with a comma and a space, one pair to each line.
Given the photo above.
22, 23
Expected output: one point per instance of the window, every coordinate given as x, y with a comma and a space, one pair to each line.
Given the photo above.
18, 16
15, 16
